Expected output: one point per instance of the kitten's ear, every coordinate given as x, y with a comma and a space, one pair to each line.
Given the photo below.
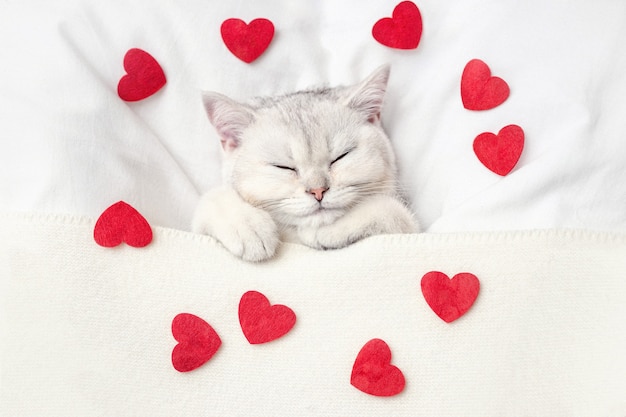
229, 118
368, 96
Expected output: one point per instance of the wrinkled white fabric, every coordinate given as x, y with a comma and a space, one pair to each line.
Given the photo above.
71, 145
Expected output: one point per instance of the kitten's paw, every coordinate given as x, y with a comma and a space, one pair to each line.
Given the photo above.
245, 231
253, 238
308, 236
325, 237
384, 215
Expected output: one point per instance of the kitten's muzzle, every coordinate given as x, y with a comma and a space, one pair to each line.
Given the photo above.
318, 193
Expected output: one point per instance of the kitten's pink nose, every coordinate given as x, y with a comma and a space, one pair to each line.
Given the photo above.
318, 193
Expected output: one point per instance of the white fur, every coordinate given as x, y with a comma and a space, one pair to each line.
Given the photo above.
244, 230
278, 150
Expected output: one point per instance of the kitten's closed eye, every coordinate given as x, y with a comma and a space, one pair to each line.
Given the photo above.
287, 168
340, 157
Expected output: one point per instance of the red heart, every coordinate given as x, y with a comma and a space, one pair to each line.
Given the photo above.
262, 322
122, 223
401, 31
450, 298
479, 90
373, 372
247, 41
197, 342
144, 76
500, 152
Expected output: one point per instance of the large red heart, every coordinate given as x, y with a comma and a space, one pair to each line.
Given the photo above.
401, 31
262, 322
500, 153
122, 223
373, 372
247, 41
144, 76
479, 90
197, 342
450, 298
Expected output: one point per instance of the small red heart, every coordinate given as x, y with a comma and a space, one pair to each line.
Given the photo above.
479, 90
500, 152
401, 31
262, 322
247, 41
450, 298
144, 76
197, 342
373, 372
122, 223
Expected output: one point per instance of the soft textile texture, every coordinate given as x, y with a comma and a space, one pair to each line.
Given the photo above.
247, 41
144, 76
402, 30
373, 372
121, 223
479, 89
70, 144
500, 153
262, 322
450, 298
87, 330
197, 342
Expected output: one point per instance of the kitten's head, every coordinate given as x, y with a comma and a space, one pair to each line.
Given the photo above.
309, 156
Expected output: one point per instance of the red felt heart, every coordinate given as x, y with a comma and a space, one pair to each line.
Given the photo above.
401, 31
262, 322
144, 76
450, 298
479, 90
500, 152
197, 342
247, 41
122, 223
373, 372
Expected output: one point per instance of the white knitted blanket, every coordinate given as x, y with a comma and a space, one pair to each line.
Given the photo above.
87, 330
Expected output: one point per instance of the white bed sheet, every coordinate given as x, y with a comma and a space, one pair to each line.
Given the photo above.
71, 145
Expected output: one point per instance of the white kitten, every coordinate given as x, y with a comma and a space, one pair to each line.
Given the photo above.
313, 167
